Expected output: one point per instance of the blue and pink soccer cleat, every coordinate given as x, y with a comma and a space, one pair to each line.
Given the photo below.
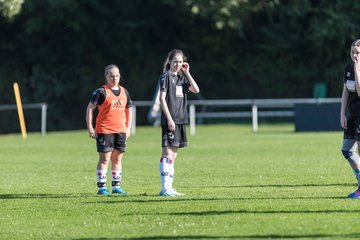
355, 194
119, 190
104, 192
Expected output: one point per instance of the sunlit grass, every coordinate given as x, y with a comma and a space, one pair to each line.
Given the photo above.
272, 184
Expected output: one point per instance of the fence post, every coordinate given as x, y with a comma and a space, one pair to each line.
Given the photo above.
133, 122
254, 118
43, 118
192, 119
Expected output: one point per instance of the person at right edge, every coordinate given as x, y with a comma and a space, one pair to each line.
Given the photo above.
350, 100
175, 82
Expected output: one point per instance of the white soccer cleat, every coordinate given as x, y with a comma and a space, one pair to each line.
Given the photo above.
174, 192
166, 193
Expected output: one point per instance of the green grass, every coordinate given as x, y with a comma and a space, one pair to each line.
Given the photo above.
238, 185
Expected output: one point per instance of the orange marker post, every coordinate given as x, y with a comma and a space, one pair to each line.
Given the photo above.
20, 110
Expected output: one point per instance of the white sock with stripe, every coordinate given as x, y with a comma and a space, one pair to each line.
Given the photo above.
116, 179
165, 168
101, 178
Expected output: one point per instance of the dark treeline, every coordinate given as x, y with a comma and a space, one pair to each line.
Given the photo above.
57, 49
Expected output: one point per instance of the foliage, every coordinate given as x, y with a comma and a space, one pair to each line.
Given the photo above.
9, 8
57, 49
231, 193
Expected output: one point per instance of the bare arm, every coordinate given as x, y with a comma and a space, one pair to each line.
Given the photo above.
344, 100
193, 85
165, 108
357, 75
128, 113
89, 119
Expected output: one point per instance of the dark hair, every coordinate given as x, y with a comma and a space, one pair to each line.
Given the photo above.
171, 56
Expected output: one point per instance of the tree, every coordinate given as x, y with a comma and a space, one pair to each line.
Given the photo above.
10, 8
57, 49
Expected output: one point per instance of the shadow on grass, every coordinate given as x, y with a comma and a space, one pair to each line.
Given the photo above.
181, 199
162, 199
156, 198
42, 195
270, 236
263, 212
284, 185
149, 198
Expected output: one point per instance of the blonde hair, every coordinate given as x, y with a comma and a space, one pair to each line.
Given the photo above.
109, 67
356, 43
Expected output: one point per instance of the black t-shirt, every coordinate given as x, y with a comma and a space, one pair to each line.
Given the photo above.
99, 95
176, 88
353, 100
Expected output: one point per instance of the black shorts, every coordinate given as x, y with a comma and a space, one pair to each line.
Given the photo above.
109, 142
174, 139
353, 129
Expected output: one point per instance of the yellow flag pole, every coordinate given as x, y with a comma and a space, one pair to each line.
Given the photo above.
20, 110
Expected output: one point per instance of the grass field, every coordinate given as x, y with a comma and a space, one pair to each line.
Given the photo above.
239, 185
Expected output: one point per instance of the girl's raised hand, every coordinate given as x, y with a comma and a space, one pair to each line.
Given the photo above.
185, 67
356, 64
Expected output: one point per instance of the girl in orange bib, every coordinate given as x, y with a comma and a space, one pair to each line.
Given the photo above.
113, 124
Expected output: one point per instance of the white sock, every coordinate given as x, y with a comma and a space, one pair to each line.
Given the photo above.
116, 179
101, 178
172, 174
165, 167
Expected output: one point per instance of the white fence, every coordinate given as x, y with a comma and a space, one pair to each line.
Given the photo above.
257, 108
42, 106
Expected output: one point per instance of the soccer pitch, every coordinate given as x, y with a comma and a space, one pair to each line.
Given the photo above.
239, 185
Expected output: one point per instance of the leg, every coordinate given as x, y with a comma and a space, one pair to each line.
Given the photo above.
171, 141
349, 150
116, 157
167, 171
167, 160
181, 139
101, 171
116, 171
171, 153
104, 159
104, 147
